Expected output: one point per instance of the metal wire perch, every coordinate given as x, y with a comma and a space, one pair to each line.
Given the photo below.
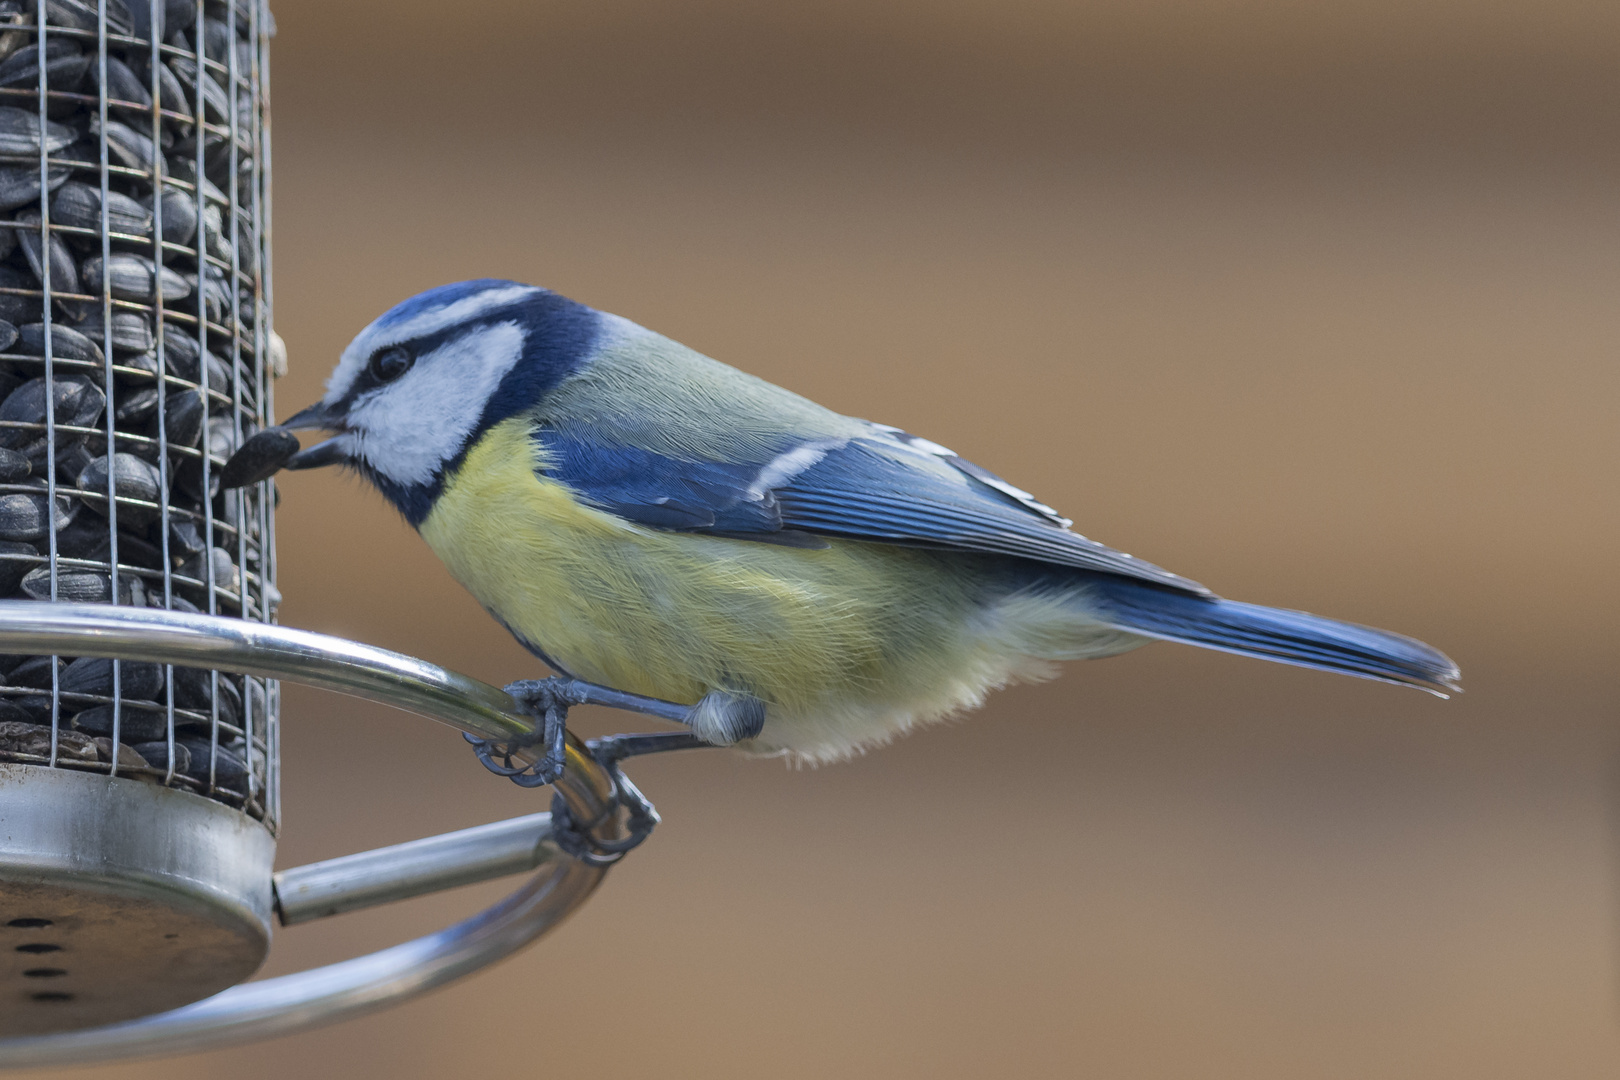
339, 991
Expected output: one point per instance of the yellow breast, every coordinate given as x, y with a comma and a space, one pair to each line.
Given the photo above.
674, 615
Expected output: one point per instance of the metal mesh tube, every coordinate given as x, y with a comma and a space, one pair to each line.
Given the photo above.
137, 351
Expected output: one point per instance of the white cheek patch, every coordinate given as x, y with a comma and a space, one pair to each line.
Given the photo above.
381, 334
409, 429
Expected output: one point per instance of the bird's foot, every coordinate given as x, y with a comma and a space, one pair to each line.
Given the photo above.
721, 718
578, 838
547, 701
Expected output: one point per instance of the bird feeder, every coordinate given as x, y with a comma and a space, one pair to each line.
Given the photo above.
140, 701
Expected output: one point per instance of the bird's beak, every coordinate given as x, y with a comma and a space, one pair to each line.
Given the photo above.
337, 450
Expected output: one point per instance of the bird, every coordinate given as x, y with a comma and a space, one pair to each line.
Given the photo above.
801, 583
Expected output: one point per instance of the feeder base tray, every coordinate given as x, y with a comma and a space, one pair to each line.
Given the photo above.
120, 898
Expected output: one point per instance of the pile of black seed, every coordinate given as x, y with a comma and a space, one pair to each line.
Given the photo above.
160, 367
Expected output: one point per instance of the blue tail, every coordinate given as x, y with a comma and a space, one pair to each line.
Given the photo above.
1290, 637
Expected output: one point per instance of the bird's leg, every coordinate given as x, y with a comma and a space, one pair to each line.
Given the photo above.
570, 691
721, 718
612, 749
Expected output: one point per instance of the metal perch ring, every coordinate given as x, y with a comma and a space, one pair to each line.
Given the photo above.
366, 984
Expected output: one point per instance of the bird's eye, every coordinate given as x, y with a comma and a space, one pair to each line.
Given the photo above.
390, 364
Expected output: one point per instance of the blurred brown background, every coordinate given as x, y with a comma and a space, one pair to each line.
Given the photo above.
1315, 303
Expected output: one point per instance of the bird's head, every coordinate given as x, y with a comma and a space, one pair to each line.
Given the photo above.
419, 385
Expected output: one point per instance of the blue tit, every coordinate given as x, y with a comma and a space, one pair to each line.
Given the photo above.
648, 519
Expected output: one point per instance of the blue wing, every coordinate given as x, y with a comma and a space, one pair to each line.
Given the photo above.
657, 490
884, 486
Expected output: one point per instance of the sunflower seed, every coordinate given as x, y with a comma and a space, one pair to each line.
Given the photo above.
185, 537
126, 146
183, 418
184, 167
64, 277
75, 401
82, 15
77, 405
83, 586
225, 575
222, 440
86, 151
137, 408
227, 767
131, 330
23, 517
20, 134
124, 86
131, 277
260, 458
214, 233
66, 343
128, 757
94, 675
132, 478
179, 215
216, 40
194, 691
35, 739
83, 538
19, 184
136, 368
157, 754
181, 353
214, 293
170, 16
140, 552
216, 102
35, 672
220, 445
171, 93
137, 725
86, 537
65, 65
80, 204
37, 707
244, 12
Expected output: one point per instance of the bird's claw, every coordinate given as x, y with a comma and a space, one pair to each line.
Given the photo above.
547, 702
577, 839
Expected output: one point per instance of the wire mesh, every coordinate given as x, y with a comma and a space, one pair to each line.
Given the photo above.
136, 352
